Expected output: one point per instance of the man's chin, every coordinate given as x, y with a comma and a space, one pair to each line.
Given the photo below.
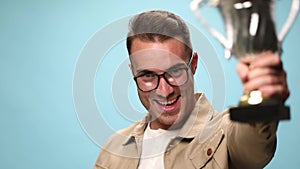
167, 123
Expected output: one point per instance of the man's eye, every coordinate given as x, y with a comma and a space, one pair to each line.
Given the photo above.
148, 75
176, 72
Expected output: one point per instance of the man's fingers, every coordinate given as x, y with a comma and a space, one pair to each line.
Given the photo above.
265, 71
266, 59
258, 82
275, 91
265, 76
243, 71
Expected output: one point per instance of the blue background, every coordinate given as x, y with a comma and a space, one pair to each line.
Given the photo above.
40, 42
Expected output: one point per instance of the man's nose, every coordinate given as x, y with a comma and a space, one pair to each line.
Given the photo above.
164, 89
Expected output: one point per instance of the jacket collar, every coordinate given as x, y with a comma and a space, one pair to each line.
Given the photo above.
201, 113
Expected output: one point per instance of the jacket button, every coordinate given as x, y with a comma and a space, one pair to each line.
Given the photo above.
209, 151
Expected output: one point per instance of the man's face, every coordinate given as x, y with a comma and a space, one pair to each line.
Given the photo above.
169, 105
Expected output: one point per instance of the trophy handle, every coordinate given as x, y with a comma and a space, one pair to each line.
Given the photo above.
195, 5
290, 20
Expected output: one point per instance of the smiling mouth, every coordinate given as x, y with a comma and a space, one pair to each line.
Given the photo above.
168, 102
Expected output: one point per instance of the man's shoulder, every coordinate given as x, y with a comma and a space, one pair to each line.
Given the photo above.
120, 143
128, 130
125, 134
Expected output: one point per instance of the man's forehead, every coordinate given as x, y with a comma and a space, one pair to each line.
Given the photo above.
173, 45
155, 59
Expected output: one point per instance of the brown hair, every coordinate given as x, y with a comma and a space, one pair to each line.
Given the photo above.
158, 25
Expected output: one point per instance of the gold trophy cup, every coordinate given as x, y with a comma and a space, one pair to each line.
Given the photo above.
250, 29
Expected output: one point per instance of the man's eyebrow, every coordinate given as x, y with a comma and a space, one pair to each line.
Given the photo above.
144, 70
178, 65
139, 71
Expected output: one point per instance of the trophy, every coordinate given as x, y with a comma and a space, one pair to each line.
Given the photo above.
250, 29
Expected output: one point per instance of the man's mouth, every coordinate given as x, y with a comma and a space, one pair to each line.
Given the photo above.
168, 105
168, 102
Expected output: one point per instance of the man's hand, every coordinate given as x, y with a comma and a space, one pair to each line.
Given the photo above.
265, 73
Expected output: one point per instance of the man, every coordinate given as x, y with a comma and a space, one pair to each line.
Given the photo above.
181, 129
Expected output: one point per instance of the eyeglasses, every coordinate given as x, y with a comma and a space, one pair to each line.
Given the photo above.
175, 76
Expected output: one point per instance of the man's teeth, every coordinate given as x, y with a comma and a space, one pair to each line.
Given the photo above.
168, 102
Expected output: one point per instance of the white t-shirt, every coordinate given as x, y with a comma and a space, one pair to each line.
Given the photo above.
154, 145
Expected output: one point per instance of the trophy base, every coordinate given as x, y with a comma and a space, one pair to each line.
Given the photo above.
260, 113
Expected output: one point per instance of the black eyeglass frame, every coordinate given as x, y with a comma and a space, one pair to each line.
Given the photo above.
163, 75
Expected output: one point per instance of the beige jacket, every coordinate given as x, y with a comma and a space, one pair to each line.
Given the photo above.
208, 140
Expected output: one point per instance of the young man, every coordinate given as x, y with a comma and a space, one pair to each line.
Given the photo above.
181, 129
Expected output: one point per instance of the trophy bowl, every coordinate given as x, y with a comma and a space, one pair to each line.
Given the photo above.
250, 30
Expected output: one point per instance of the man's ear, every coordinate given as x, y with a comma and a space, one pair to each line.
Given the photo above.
131, 68
194, 63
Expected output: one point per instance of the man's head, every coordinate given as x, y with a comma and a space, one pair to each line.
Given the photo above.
157, 25
161, 61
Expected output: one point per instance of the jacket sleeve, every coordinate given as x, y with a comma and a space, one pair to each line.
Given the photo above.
251, 145
103, 160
